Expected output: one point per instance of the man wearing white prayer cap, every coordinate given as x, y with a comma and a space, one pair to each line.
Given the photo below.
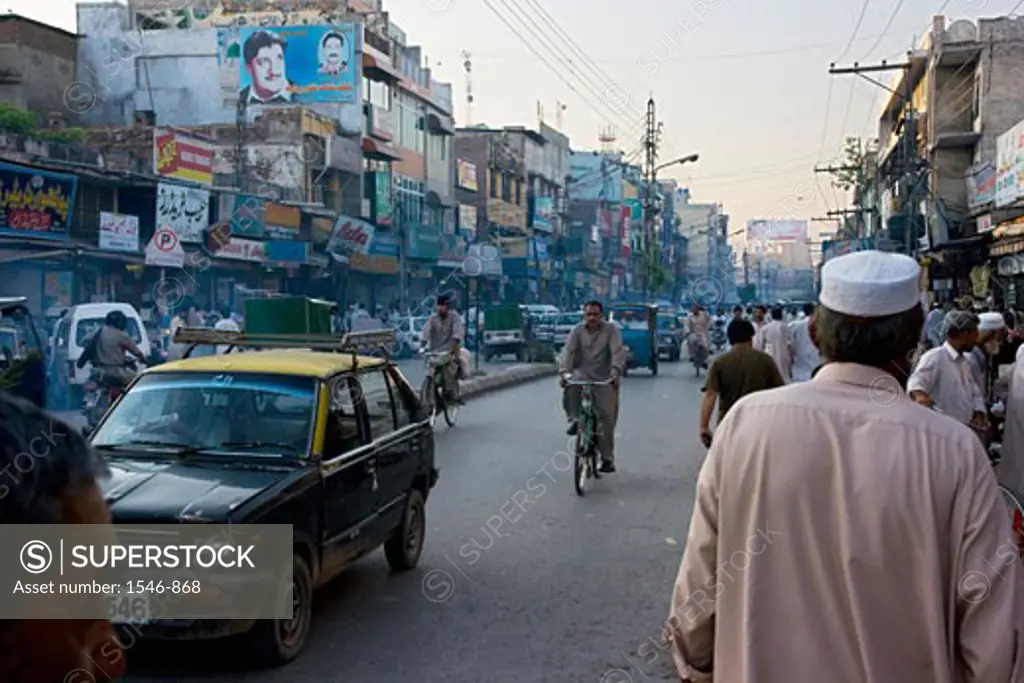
944, 378
841, 532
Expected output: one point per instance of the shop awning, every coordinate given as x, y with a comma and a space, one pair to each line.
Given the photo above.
376, 70
375, 149
435, 199
440, 125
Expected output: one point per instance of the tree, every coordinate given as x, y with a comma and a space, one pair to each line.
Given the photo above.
850, 173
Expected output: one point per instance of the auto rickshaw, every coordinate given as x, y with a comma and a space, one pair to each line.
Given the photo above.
639, 326
22, 354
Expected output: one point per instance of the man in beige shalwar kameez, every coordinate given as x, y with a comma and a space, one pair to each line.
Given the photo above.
842, 533
776, 339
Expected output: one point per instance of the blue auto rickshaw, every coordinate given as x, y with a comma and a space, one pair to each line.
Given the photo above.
639, 326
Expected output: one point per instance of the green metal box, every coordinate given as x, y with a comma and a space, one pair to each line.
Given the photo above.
288, 315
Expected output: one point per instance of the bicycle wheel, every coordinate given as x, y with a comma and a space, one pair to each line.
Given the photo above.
451, 413
427, 399
1015, 502
580, 463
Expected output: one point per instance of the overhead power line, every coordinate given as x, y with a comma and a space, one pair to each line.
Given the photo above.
856, 29
885, 31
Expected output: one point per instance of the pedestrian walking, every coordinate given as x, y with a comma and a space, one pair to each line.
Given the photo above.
806, 357
842, 533
943, 378
776, 339
739, 371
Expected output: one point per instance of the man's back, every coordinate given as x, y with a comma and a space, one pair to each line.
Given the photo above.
867, 536
740, 371
111, 346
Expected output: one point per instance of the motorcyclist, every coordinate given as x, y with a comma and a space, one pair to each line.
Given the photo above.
108, 351
444, 331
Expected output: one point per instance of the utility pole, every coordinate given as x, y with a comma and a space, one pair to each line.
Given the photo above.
910, 163
651, 135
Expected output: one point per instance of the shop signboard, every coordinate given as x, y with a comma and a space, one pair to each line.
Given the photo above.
182, 156
287, 251
832, 248
239, 249
424, 241
382, 207
467, 176
244, 213
981, 184
382, 259
351, 236
185, 209
467, 221
312, 63
119, 232
1009, 165
543, 214
281, 222
35, 203
777, 231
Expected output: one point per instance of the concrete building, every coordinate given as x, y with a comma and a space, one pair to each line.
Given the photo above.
37, 68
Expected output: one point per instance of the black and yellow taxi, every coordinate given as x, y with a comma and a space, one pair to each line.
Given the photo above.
299, 431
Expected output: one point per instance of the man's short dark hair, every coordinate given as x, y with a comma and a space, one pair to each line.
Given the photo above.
876, 342
777, 313
739, 332
45, 461
258, 41
594, 302
737, 309
332, 34
808, 309
442, 300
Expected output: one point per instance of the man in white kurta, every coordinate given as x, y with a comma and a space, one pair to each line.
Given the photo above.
776, 339
805, 354
844, 534
943, 378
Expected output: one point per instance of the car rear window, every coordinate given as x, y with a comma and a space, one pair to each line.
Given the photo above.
88, 327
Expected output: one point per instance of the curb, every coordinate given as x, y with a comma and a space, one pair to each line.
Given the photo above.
514, 376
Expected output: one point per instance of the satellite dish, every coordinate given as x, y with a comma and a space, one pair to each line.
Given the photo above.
961, 31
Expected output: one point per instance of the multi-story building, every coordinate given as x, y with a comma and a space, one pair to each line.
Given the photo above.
374, 145
604, 216
37, 68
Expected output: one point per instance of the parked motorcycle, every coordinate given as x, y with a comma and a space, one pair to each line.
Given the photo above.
718, 337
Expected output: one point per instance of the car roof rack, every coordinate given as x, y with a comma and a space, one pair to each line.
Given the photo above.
355, 343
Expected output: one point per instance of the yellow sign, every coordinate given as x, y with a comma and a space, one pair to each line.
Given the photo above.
374, 264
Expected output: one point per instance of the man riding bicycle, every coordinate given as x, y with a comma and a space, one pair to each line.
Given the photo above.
698, 328
594, 352
444, 332
108, 351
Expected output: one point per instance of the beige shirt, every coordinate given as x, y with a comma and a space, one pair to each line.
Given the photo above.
594, 356
946, 376
844, 534
1011, 467
776, 339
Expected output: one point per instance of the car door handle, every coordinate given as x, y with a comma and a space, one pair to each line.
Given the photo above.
371, 469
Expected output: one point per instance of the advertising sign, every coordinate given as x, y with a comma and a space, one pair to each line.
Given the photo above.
287, 251
543, 214
351, 235
1006, 167
467, 178
382, 208
467, 221
185, 210
777, 231
833, 248
119, 232
214, 15
295, 64
181, 156
244, 213
281, 222
981, 184
35, 203
238, 249
424, 242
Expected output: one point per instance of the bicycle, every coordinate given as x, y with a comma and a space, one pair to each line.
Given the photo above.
435, 384
585, 465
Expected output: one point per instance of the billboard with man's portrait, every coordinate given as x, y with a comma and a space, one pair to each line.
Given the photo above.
280, 65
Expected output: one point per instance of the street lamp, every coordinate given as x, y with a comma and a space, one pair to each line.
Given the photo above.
689, 159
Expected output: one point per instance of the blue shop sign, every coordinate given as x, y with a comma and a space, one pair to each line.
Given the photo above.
287, 251
384, 245
424, 241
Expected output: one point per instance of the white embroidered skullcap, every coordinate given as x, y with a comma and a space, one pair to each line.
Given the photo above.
990, 322
870, 284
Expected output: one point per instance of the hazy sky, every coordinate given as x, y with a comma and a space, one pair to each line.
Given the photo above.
742, 82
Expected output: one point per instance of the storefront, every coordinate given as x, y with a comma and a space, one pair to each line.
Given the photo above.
423, 248
373, 277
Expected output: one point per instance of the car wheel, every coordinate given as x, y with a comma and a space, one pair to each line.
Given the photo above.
275, 642
404, 547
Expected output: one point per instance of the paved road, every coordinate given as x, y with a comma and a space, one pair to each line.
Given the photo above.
565, 591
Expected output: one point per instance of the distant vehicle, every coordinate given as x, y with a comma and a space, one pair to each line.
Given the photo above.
544, 328
78, 326
22, 354
505, 332
564, 324
408, 330
669, 342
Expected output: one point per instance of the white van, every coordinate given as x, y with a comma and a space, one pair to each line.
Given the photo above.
77, 327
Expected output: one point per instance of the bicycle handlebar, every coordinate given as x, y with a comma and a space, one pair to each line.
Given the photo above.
586, 383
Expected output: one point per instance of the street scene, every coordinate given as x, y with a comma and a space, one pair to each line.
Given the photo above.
468, 340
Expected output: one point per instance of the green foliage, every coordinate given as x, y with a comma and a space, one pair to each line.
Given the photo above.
17, 120
67, 136
850, 175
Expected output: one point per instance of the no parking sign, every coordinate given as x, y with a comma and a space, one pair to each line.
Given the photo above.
165, 250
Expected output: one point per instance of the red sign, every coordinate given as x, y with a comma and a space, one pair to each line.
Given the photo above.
177, 155
165, 240
351, 235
